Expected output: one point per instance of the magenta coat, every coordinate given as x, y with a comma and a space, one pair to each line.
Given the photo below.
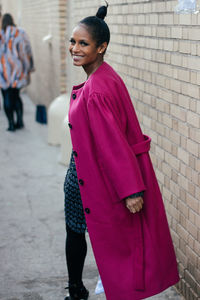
134, 252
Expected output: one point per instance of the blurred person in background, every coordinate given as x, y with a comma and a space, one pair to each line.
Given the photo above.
16, 64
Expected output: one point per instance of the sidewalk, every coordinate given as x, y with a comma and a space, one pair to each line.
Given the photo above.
32, 227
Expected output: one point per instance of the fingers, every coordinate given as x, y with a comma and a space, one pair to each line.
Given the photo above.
134, 205
138, 205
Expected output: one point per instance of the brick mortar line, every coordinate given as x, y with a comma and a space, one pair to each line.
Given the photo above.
150, 12
184, 26
154, 25
152, 38
165, 89
165, 76
156, 73
152, 49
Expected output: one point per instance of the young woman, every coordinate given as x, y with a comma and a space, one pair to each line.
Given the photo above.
110, 184
16, 63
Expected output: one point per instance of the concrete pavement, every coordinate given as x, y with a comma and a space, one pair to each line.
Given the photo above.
32, 227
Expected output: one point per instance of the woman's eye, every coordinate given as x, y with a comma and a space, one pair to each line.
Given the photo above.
72, 41
84, 43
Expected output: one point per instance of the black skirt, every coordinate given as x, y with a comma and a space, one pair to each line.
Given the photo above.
74, 214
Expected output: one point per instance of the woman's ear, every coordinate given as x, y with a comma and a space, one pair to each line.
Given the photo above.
102, 48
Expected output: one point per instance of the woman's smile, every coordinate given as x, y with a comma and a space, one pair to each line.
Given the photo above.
76, 57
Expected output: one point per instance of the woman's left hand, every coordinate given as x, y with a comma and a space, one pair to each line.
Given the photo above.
134, 204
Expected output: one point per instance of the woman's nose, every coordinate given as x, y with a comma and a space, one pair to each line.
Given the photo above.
75, 48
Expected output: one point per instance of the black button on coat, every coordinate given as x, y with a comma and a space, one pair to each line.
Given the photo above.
75, 153
87, 210
81, 182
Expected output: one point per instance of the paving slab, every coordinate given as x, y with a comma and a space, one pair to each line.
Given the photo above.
32, 227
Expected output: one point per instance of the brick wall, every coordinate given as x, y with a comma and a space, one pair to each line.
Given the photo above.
40, 18
157, 53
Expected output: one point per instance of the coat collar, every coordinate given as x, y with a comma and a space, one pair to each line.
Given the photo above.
98, 71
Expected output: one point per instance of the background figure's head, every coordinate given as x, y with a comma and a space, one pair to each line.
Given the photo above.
7, 20
97, 27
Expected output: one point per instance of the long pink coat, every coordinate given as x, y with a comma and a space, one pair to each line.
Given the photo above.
134, 252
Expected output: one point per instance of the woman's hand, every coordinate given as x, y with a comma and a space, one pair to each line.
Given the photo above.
134, 204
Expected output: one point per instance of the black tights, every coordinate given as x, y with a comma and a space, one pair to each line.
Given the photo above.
13, 103
76, 250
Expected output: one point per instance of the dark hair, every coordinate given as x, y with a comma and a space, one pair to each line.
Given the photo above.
97, 26
7, 20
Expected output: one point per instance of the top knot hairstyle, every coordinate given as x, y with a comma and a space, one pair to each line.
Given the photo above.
97, 26
102, 11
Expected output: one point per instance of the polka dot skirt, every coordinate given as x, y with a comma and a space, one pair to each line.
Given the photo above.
74, 214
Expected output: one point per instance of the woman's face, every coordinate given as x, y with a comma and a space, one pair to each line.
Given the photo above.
83, 48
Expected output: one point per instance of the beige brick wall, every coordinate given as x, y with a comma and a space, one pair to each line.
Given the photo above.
40, 18
157, 53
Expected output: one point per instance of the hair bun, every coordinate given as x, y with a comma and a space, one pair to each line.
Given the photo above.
102, 11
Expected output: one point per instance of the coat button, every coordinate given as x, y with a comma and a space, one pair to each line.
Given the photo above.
75, 153
70, 125
74, 96
81, 182
87, 210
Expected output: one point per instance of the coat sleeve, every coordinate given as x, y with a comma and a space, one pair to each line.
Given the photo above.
25, 52
115, 157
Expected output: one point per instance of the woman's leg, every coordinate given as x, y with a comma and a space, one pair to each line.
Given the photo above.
9, 107
76, 250
18, 108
